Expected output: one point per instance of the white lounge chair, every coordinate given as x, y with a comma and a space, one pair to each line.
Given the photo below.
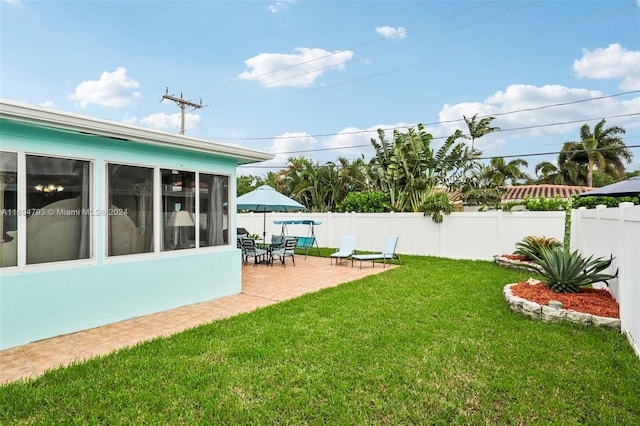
388, 253
347, 248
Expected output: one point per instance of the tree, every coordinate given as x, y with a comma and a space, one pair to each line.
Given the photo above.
409, 170
499, 172
601, 150
478, 129
611, 146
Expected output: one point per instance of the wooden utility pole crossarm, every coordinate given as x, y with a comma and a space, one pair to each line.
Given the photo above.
182, 103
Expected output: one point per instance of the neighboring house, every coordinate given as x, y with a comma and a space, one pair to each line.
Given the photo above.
103, 221
519, 193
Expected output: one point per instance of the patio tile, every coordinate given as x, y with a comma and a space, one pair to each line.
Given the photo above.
262, 285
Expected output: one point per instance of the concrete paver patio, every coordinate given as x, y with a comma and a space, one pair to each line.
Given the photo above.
262, 285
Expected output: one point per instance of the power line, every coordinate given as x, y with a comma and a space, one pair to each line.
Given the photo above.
535, 154
182, 103
497, 131
435, 123
403, 68
511, 39
377, 40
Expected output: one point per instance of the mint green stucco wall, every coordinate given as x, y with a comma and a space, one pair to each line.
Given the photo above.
47, 300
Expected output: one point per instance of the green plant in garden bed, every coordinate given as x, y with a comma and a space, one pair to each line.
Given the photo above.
530, 246
566, 271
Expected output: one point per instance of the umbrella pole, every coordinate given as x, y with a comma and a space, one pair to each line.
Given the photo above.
264, 228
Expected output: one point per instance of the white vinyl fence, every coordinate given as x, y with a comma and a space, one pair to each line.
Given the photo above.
616, 231
482, 235
476, 235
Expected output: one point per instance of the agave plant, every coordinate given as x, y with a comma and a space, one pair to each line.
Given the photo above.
530, 246
566, 272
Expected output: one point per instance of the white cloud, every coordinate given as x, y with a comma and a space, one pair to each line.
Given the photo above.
170, 122
17, 3
612, 62
279, 6
114, 89
533, 123
294, 70
282, 145
48, 104
391, 32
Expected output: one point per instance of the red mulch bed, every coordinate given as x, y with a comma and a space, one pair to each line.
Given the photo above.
588, 301
515, 257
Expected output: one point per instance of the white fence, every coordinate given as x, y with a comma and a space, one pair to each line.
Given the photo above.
477, 236
481, 235
616, 231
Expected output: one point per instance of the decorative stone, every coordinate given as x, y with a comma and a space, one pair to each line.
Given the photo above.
605, 322
553, 314
555, 304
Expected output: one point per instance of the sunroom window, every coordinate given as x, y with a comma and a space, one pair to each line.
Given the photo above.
58, 209
9, 205
130, 210
178, 209
214, 218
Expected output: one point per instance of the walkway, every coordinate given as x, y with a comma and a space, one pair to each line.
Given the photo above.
261, 286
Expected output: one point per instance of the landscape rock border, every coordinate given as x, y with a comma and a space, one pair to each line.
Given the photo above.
551, 314
521, 265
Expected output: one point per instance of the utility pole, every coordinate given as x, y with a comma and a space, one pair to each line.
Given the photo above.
182, 104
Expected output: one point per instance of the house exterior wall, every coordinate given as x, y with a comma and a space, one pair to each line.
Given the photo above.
48, 299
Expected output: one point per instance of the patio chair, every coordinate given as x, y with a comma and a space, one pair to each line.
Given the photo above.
347, 248
288, 249
388, 253
277, 241
250, 249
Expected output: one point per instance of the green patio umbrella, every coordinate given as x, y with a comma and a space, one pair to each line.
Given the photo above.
266, 199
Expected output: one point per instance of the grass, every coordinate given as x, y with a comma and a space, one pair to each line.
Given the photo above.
432, 342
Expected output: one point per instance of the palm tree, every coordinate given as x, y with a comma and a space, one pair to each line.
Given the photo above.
602, 149
611, 147
478, 129
499, 171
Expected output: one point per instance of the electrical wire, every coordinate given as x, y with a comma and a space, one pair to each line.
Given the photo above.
355, 132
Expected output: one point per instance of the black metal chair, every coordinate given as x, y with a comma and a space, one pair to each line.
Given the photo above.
250, 249
288, 249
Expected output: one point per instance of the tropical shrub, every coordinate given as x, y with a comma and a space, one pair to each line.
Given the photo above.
544, 204
436, 206
530, 246
365, 202
593, 201
567, 271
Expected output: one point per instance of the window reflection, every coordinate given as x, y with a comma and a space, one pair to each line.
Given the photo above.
130, 209
214, 220
58, 209
9, 205
178, 209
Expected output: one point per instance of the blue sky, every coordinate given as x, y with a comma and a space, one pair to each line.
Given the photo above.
317, 78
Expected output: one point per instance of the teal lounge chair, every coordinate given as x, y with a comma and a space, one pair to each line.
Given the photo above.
347, 248
388, 253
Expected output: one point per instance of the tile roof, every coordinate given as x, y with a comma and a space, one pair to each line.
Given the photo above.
547, 191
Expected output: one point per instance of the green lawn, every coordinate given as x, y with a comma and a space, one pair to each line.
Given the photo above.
432, 342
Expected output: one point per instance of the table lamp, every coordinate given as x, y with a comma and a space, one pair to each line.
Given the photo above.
180, 219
